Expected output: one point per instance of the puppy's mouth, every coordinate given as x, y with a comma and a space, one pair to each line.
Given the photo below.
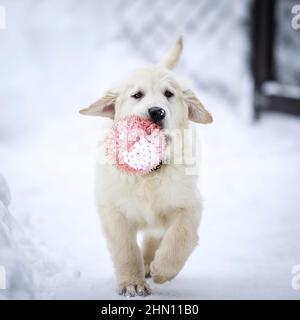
160, 124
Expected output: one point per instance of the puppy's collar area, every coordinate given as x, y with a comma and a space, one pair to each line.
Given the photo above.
158, 166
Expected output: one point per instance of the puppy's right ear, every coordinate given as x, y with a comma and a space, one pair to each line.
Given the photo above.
104, 107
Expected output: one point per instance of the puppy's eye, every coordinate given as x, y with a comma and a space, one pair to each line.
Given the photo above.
168, 94
138, 95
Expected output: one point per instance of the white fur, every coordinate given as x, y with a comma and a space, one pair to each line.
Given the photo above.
165, 204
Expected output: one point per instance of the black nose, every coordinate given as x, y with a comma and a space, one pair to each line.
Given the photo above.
157, 114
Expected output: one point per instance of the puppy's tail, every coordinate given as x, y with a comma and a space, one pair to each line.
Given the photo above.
171, 59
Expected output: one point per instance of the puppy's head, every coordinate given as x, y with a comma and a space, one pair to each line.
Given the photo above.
154, 93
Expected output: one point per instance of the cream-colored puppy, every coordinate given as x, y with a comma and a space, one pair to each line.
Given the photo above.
165, 204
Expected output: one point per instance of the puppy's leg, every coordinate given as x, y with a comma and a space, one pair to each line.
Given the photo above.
126, 255
149, 247
176, 246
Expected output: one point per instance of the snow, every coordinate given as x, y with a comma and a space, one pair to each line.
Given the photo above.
5, 196
18, 274
51, 242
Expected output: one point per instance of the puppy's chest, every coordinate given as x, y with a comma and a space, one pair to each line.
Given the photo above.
150, 200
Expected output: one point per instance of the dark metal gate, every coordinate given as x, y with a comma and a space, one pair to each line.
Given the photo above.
270, 94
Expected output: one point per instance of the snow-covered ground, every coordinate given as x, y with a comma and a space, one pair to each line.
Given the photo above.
50, 238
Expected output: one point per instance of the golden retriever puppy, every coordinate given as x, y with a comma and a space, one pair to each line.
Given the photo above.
165, 205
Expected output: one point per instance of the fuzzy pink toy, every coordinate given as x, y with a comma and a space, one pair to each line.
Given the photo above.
136, 145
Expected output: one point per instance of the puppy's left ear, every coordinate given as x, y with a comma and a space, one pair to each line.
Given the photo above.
104, 107
197, 112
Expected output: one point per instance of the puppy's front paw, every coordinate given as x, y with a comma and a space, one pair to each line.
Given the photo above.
134, 289
160, 273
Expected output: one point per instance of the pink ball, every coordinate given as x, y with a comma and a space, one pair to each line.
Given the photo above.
136, 145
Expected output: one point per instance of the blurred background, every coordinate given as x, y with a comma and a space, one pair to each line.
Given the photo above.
59, 56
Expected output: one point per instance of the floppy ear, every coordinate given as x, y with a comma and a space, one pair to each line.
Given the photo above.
171, 59
104, 107
197, 112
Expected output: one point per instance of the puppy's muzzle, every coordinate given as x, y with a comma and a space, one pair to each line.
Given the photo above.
156, 114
